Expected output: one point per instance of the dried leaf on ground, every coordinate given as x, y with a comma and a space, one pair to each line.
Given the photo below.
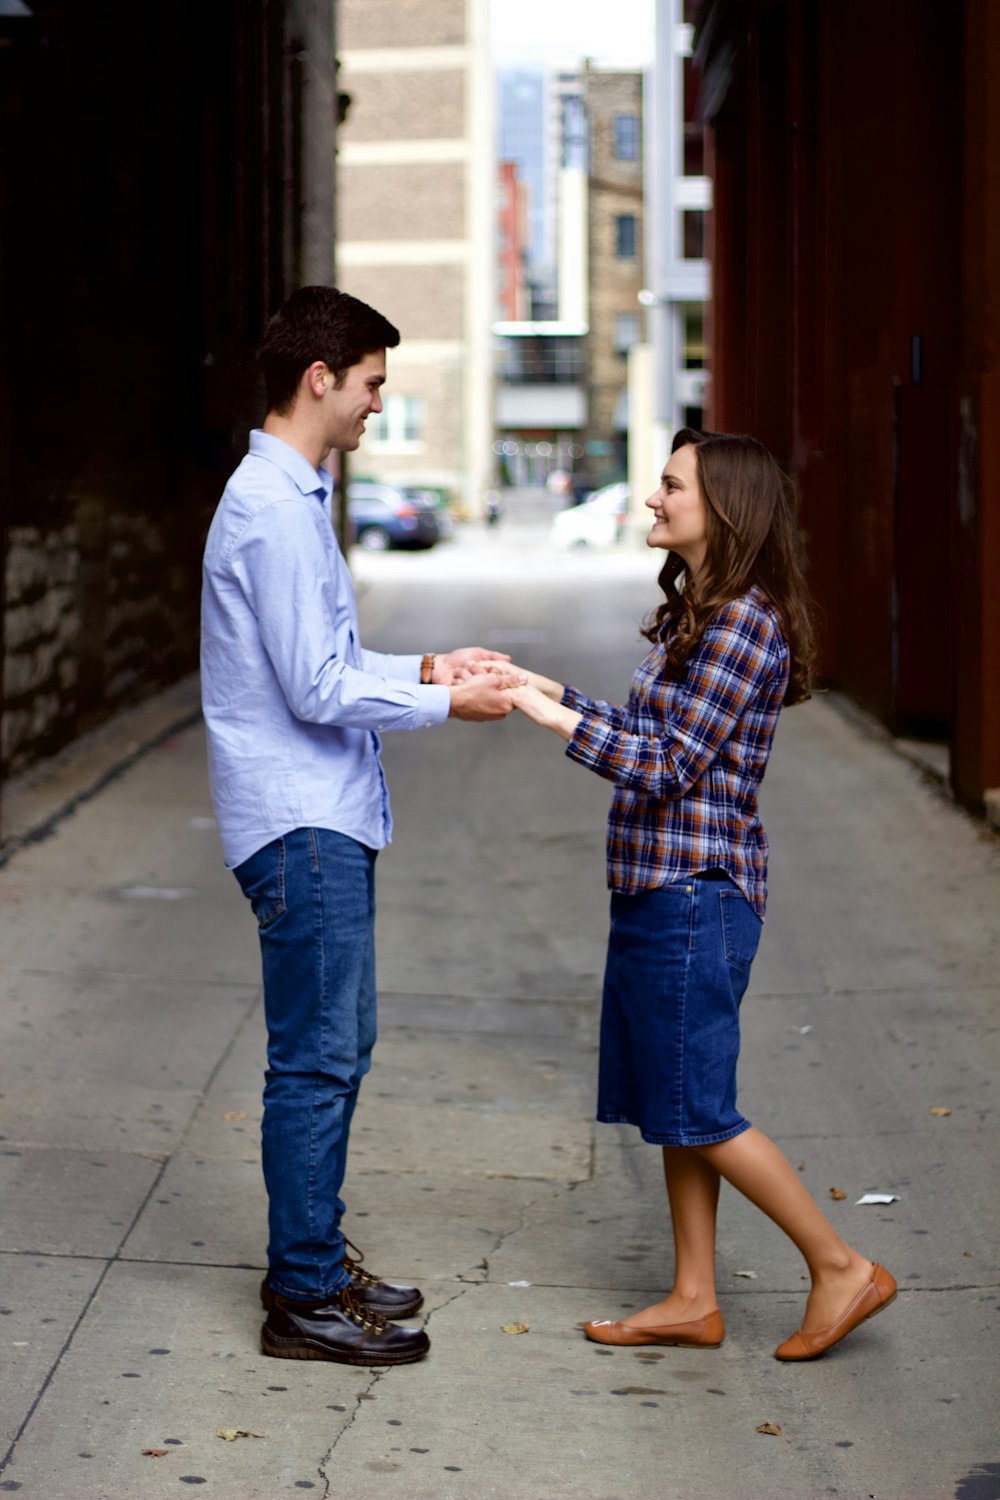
155, 1452
941, 1110
515, 1327
230, 1434
770, 1428
837, 1194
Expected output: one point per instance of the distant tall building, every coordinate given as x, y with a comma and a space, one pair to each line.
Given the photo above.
613, 102
562, 398
522, 138
512, 251
416, 230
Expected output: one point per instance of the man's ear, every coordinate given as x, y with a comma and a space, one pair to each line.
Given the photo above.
318, 378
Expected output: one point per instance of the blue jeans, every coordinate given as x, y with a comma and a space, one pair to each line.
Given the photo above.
313, 894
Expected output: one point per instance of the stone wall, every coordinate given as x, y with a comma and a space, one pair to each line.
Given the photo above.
101, 611
145, 260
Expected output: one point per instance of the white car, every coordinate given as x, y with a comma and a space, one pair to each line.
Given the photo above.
598, 521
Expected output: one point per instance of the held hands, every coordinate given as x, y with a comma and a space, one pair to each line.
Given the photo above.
546, 685
455, 666
475, 695
539, 698
484, 696
486, 685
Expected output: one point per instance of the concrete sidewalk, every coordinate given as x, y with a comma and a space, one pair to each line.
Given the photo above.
131, 1046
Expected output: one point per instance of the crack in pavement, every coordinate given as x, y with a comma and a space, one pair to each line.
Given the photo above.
377, 1375
328, 1455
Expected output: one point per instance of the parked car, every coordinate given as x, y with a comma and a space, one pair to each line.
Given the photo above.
430, 499
598, 521
382, 517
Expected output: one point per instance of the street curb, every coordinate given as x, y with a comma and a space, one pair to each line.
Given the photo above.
35, 803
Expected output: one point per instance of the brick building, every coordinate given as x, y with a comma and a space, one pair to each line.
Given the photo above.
415, 230
613, 102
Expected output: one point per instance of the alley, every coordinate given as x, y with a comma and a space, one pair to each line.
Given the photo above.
131, 1045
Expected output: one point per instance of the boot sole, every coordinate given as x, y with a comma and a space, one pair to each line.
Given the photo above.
279, 1348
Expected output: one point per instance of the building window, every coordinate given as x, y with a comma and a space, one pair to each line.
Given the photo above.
694, 151
695, 352
627, 331
694, 233
399, 425
627, 137
626, 236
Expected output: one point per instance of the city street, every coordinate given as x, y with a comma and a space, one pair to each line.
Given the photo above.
131, 1046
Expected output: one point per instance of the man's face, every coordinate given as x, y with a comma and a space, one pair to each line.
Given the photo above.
348, 406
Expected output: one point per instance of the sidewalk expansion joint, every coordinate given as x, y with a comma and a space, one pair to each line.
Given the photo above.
116, 1258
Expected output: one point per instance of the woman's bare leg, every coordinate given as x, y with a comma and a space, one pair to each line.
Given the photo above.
755, 1166
693, 1191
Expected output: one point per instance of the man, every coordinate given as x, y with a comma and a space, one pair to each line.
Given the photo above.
293, 706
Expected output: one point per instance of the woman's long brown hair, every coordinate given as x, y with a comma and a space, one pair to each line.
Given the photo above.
753, 538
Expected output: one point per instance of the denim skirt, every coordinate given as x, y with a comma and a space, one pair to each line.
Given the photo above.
678, 964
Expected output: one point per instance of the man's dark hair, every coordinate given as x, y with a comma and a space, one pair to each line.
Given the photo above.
318, 322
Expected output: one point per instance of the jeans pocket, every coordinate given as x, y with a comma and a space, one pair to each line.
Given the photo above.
740, 929
262, 880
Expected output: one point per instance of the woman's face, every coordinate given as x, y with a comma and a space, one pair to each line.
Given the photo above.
679, 514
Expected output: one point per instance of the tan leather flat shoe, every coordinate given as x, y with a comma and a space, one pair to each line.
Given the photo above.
875, 1295
701, 1333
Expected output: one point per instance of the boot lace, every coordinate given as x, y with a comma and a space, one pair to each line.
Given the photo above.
352, 1305
356, 1270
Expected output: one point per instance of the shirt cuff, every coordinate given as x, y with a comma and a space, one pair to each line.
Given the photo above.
588, 744
433, 702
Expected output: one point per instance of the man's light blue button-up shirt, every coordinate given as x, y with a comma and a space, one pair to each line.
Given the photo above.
292, 701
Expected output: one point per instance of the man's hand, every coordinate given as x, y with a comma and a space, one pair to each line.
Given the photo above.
484, 697
454, 665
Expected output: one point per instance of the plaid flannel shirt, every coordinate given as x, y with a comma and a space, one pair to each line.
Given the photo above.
687, 755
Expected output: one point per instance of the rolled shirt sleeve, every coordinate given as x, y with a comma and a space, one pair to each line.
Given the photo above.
609, 713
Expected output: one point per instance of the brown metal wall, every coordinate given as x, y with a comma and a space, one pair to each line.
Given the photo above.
842, 135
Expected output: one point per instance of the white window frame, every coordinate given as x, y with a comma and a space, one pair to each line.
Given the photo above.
400, 426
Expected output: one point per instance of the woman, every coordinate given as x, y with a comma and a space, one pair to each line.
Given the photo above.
687, 862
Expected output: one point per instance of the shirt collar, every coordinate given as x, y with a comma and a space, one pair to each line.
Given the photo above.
291, 462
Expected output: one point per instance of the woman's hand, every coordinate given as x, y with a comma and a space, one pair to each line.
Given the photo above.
538, 706
546, 685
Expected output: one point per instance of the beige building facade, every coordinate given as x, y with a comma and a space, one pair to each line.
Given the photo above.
614, 107
416, 232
